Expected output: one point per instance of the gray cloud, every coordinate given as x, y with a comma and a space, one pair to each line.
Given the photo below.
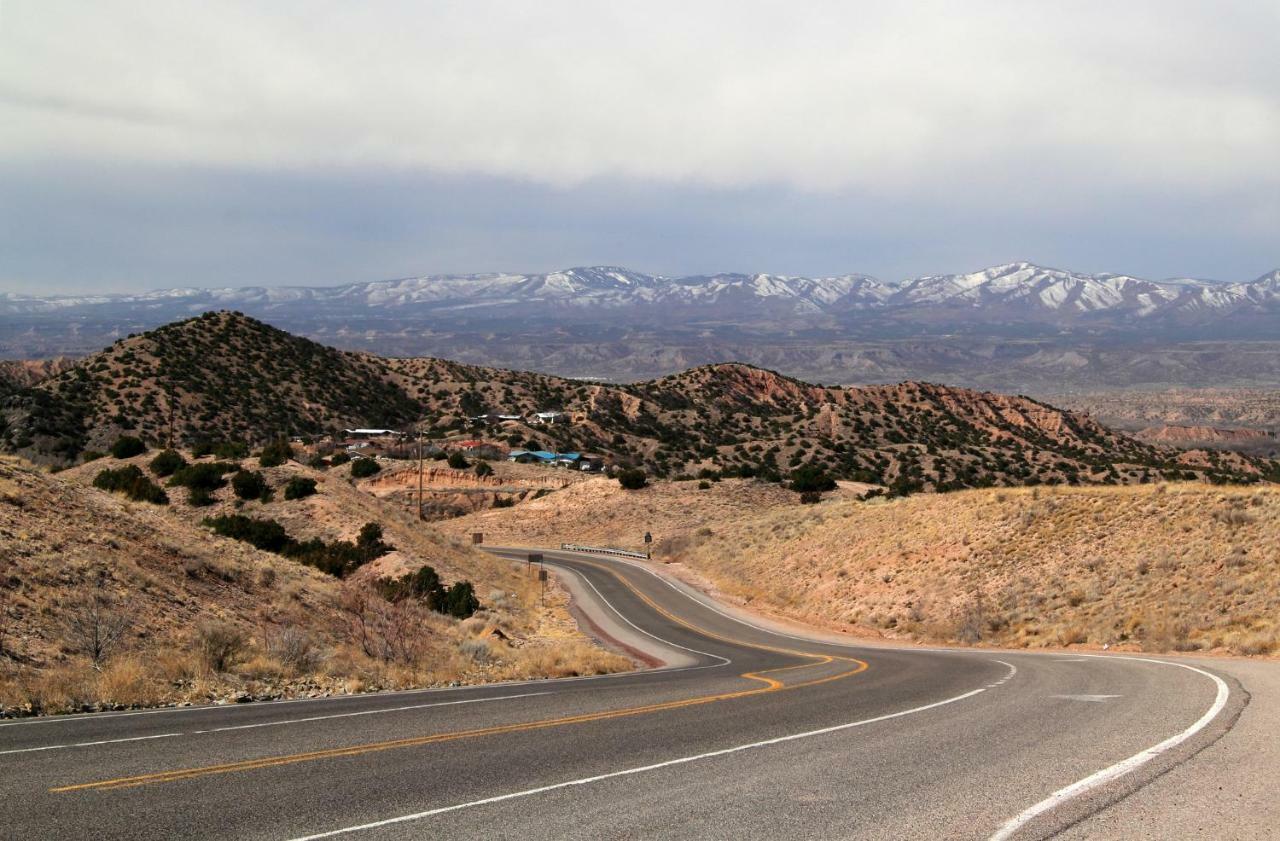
158, 144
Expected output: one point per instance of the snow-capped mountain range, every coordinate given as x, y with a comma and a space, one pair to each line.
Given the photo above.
1008, 294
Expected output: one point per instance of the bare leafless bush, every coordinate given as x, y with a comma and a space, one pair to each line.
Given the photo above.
295, 649
94, 626
393, 632
476, 650
220, 644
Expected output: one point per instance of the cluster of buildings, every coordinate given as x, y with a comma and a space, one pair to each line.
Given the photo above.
533, 419
394, 443
587, 462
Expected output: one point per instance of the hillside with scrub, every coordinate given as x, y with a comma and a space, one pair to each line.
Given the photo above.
1165, 567
275, 580
227, 377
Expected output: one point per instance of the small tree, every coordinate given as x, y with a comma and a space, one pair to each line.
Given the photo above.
633, 479
128, 446
458, 461
483, 469
810, 479
276, 453
460, 600
249, 484
299, 487
230, 449
166, 463
370, 540
133, 483
362, 468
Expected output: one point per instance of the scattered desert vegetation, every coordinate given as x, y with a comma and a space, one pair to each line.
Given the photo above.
228, 378
108, 603
1166, 567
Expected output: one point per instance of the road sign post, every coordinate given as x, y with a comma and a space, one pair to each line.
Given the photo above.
477, 537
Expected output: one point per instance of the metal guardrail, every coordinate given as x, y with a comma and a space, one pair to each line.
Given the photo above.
604, 550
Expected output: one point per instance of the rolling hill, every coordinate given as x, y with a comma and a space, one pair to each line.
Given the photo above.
156, 591
226, 376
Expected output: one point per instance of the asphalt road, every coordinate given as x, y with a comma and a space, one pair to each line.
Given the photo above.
749, 732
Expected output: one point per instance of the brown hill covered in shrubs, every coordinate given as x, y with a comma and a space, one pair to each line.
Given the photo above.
225, 376
191, 616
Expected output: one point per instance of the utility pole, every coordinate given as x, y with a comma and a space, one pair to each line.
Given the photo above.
418, 429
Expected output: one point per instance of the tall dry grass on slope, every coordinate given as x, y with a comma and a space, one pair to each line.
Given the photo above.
106, 602
1177, 567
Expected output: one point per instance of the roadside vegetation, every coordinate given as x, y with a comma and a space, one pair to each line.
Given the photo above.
1186, 567
108, 603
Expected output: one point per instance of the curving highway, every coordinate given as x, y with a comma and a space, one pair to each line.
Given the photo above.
746, 731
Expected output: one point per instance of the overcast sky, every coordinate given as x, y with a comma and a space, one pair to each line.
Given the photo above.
156, 144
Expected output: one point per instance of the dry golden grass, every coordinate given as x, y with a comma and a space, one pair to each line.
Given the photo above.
1185, 567
286, 629
599, 511
1180, 567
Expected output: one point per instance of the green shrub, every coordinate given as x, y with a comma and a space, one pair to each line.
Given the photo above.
267, 535
458, 600
483, 468
91, 455
276, 453
299, 487
249, 484
317, 463
166, 462
810, 479
200, 497
412, 585
338, 459
633, 479
458, 461
133, 483
339, 558
207, 475
704, 485
231, 450
362, 468
128, 446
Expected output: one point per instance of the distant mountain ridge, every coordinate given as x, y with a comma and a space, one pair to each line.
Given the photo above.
1018, 291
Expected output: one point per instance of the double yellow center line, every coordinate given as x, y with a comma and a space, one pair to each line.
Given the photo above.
770, 685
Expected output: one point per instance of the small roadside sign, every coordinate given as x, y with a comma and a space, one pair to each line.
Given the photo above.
477, 537
648, 538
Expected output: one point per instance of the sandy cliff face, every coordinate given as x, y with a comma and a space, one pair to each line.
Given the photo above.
1182, 435
16, 374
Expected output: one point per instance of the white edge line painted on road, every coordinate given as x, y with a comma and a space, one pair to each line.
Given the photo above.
277, 723
703, 600
91, 744
1124, 766
599, 595
683, 760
